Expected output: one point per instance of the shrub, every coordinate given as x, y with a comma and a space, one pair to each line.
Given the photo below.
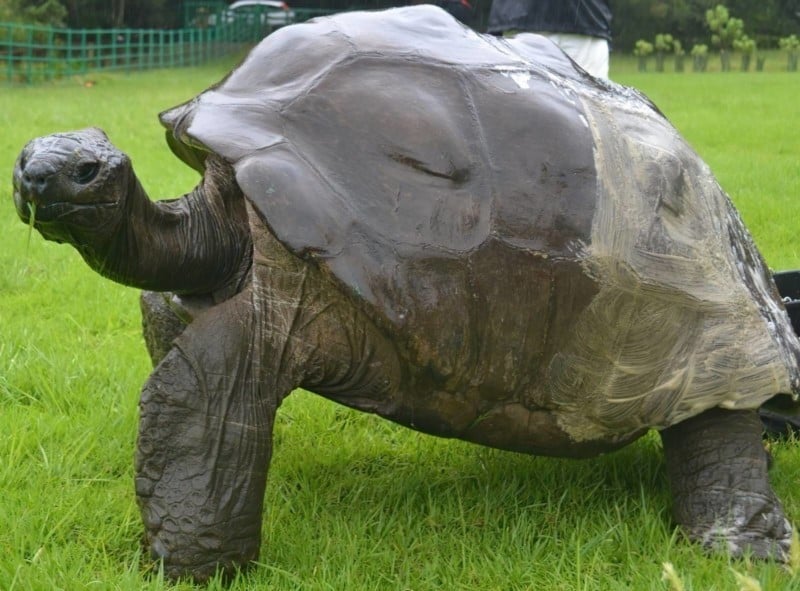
642, 50
748, 47
680, 53
699, 57
663, 44
790, 44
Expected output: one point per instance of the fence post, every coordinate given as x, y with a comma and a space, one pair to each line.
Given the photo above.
68, 57
29, 55
84, 53
47, 43
171, 53
128, 55
192, 43
10, 54
140, 50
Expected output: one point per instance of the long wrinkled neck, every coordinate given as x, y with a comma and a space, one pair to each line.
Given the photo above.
197, 244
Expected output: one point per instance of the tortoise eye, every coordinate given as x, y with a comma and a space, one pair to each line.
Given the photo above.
86, 172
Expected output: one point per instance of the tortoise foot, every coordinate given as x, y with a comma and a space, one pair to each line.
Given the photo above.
721, 494
185, 560
755, 526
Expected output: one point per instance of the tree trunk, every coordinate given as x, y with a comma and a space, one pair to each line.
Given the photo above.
745, 62
118, 13
725, 59
699, 63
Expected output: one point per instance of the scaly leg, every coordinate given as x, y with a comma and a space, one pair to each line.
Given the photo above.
717, 468
205, 443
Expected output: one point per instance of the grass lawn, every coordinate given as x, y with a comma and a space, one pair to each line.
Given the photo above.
353, 502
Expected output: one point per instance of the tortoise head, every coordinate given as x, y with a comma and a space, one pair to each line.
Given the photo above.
72, 184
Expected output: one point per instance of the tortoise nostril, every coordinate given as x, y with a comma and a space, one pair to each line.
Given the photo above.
34, 182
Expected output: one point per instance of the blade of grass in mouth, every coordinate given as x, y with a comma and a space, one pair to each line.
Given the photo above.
31, 222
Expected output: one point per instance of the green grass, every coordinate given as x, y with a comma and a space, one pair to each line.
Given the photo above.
353, 502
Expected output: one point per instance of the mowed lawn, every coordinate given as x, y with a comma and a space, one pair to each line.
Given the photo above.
353, 502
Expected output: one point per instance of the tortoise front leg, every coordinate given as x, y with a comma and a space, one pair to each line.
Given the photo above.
717, 468
204, 444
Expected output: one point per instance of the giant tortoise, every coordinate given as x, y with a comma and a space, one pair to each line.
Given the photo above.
469, 236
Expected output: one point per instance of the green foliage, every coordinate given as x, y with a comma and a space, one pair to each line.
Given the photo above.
40, 12
725, 29
677, 48
745, 44
790, 43
664, 42
767, 20
643, 48
699, 57
747, 47
51, 12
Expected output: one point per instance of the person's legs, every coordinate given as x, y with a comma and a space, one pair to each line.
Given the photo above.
591, 53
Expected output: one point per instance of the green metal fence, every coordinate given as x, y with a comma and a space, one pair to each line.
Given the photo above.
32, 53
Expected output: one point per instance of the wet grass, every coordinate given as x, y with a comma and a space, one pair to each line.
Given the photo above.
353, 502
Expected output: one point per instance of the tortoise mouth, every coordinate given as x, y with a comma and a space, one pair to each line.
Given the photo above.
56, 211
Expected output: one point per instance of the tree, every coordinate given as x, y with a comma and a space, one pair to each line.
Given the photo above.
748, 47
791, 45
680, 54
642, 50
725, 30
40, 12
145, 14
699, 57
117, 13
663, 44
767, 20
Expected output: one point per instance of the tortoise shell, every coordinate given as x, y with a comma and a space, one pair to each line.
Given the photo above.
515, 224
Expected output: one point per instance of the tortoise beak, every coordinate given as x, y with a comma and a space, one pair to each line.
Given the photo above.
36, 179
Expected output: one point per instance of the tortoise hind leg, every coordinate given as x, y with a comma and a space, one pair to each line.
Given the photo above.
717, 469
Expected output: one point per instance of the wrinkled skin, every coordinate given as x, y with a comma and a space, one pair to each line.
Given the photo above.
249, 313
